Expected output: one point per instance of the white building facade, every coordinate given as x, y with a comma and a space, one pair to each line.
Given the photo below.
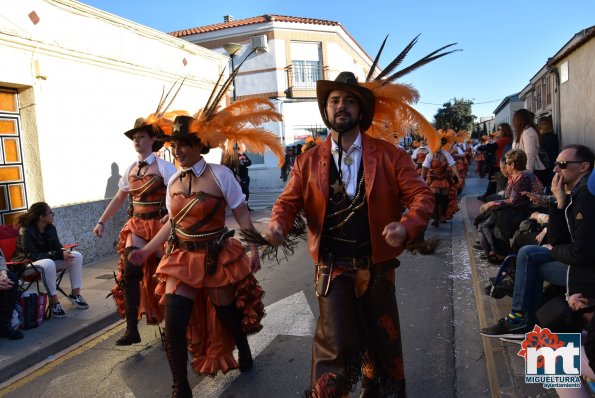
73, 79
292, 54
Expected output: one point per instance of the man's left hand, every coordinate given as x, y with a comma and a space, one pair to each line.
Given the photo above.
395, 234
548, 246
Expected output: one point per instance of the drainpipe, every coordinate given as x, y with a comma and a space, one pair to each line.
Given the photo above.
556, 72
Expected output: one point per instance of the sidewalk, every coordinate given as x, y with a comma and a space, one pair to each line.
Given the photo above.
54, 335
506, 370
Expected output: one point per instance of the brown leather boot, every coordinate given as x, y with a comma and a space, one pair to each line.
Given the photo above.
232, 319
132, 277
178, 310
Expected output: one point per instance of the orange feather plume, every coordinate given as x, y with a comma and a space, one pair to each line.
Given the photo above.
446, 139
393, 114
236, 124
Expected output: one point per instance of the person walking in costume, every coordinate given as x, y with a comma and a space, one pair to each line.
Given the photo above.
352, 188
206, 280
144, 183
440, 172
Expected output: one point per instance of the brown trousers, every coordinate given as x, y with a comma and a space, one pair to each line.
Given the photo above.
352, 332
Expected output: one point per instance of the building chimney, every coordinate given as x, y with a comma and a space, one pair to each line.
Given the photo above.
228, 18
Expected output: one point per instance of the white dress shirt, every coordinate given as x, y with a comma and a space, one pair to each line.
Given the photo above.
349, 172
166, 169
230, 188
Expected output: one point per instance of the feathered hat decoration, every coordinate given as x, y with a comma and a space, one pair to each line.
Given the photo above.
311, 142
155, 123
445, 140
394, 114
237, 123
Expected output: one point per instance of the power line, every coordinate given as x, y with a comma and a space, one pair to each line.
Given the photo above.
474, 103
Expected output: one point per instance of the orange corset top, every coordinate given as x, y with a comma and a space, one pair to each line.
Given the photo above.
198, 216
147, 193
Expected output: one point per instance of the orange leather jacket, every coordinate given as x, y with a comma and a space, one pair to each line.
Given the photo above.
391, 182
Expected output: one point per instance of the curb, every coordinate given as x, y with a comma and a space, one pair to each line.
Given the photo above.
481, 310
45, 351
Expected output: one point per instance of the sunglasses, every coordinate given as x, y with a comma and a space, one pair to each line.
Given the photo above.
564, 164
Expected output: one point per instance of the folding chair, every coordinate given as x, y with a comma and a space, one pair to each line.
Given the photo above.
506, 268
27, 272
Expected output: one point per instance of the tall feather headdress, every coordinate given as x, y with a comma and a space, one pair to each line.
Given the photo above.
237, 123
394, 113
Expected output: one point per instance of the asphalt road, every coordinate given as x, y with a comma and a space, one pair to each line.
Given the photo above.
437, 314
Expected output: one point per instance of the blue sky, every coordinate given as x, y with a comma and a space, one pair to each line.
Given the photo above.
504, 42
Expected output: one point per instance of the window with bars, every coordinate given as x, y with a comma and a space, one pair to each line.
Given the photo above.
13, 196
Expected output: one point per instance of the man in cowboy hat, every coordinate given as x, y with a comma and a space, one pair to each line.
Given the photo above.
144, 182
352, 189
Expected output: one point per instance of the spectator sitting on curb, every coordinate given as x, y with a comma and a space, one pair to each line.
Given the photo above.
9, 286
570, 230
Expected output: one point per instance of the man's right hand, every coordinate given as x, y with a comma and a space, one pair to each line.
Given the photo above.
274, 234
98, 230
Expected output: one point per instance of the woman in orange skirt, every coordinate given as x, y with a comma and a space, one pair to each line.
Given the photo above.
212, 300
439, 170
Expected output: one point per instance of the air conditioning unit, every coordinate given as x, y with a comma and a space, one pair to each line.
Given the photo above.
259, 42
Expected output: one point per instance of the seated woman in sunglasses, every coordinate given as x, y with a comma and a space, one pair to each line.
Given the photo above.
568, 254
38, 242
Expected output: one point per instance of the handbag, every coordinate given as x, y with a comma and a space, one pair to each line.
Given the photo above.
557, 316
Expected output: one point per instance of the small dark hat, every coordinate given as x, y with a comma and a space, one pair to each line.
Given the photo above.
140, 125
346, 81
181, 132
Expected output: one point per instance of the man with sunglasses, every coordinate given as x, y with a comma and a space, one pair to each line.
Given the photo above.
567, 256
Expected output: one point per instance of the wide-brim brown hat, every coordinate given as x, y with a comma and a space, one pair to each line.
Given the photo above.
346, 81
140, 125
181, 132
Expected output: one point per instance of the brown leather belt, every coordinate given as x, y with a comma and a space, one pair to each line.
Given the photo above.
353, 263
193, 245
151, 215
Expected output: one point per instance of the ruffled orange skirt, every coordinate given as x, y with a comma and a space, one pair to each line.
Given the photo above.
149, 303
209, 341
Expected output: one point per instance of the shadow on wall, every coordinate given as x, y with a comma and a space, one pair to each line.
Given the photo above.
112, 182
75, 224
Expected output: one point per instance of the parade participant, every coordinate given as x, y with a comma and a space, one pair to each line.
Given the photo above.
439, 171
352, 199
206, 279
419, 154
144, 183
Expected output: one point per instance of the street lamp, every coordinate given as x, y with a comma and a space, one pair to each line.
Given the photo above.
232, 49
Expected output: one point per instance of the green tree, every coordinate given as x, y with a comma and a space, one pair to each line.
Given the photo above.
455, 115
484, 130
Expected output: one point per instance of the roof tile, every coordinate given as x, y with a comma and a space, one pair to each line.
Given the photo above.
251, 21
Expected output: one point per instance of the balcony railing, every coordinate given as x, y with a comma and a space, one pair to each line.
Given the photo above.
303, 76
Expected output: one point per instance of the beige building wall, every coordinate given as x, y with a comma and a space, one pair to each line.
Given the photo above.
577, 97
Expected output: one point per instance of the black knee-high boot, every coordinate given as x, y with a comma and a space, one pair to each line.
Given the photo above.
178, 310
443, 206
232, 319
132, 277
436, 215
